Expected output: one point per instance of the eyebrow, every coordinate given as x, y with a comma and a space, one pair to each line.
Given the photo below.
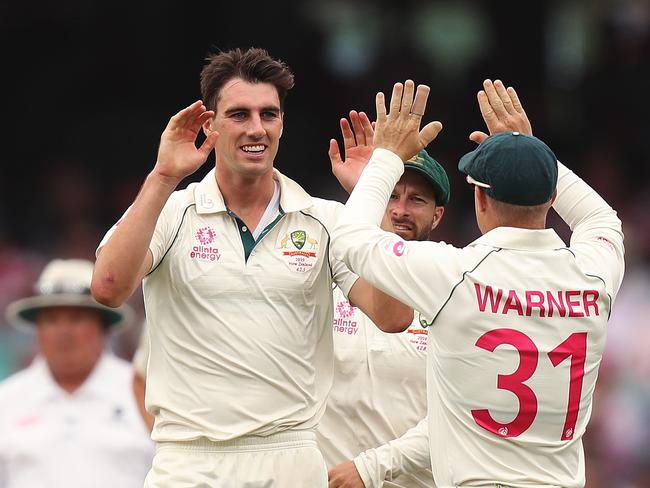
270, 108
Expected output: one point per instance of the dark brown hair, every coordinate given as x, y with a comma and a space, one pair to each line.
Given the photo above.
253, 65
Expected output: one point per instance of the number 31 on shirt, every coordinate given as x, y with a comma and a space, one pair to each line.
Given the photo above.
574, 347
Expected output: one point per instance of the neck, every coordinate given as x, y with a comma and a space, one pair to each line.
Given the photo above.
71, 381
248, 197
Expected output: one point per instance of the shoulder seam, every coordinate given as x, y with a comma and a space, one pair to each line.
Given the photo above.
458, 284
178, 230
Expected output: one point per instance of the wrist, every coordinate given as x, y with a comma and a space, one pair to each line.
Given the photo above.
163, 182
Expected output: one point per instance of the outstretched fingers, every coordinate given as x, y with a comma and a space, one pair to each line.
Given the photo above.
380, 107
396, 100
489, 115
368, 127
346, 132
503, 95
420, 102
186, 115
516, 103
334, 153
478, 136
407, 97
196, 124
359, 134
429, 132
494, 99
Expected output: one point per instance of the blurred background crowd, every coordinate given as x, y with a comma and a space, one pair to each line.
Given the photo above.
88, 87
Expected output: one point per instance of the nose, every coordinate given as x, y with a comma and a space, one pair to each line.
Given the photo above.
398, 208
255, 128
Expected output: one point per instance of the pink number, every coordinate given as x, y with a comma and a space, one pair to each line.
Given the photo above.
512, 382
574, 347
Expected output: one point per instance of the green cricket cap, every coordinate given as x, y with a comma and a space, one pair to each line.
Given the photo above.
433, 172
512, 168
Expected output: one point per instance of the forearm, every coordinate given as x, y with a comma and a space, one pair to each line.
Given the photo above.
406, 454
366, 207
382, 258
368, 200
119, 265
597, 234
580, 205
392, 315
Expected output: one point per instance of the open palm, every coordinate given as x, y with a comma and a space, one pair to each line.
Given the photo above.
357, 143
178, 155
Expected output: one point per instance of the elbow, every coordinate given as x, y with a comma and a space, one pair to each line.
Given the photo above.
397, 323
105, 291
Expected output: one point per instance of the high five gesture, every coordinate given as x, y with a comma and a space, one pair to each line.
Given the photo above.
399, 130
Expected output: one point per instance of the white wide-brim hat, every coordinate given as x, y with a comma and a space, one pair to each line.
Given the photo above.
64, 283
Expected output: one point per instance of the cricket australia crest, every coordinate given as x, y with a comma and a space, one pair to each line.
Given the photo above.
298, 237
299, 250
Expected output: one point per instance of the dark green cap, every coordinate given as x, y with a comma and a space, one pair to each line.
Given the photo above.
513, 168
433, 172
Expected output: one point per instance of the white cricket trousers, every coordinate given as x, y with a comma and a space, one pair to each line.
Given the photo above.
285, 460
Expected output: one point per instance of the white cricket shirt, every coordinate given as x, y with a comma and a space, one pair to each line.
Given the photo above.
379, 393
240, 330
519, 323
93, 437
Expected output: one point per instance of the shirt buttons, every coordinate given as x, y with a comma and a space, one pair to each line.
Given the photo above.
244, 229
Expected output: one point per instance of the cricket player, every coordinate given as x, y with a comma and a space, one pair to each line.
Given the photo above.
517, 318
237, 277
379, 390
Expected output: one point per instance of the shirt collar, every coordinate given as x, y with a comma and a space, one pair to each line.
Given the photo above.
208, 198
100, 377
521, 239
44, 385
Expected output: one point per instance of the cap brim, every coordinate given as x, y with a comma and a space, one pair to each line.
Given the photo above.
22, 313
465, 163
441, 198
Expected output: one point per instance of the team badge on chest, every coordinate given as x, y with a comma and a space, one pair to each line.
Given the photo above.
299, 250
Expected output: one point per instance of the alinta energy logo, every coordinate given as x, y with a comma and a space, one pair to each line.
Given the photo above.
344, 309
343, 322
205, 252
205, 235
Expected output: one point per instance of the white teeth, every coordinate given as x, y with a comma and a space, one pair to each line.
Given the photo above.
258, 148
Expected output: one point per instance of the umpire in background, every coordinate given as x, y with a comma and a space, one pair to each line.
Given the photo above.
70, 419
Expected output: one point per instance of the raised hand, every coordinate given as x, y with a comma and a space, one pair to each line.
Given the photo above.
399, 130
178, 155
357, 134
344, 475
501, 110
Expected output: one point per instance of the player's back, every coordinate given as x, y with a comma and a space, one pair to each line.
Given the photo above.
519, 340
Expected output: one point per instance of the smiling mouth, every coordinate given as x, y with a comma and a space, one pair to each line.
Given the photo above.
254, 148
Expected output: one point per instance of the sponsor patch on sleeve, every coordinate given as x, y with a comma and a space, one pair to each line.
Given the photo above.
395, 247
